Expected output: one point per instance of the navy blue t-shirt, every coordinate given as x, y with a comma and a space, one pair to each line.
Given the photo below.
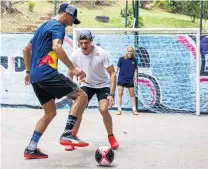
44, 60
127, 69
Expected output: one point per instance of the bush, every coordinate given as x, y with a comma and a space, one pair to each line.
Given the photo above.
31, 6
129, 12
162, 4
143, 4
130, 17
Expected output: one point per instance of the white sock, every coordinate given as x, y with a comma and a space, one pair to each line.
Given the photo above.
119, 108
32, 145
134, 108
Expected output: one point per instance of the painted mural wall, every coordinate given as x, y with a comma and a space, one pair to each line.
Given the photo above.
166, 67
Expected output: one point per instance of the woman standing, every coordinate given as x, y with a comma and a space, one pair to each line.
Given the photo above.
127, 67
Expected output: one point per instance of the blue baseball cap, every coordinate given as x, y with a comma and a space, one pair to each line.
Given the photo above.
70, 10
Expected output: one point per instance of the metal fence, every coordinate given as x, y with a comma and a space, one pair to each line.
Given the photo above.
26, 16
29, 15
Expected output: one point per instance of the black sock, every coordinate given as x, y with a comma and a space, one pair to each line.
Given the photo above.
71, 121
110, 135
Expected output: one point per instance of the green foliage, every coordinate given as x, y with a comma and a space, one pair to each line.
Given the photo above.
31, 6
162, 4
130, 17
176, 6
205, 10
143, 4
130, 12
192, 8
141, 22
189, 7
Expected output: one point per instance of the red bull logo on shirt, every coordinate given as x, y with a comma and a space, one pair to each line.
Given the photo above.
51, 60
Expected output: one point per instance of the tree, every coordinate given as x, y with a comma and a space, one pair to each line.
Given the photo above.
6, 6
143, 4
192, 8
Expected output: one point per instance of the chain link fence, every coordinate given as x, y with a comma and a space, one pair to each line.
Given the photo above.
26, 16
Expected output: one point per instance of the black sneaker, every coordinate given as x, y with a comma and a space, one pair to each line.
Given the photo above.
66, 140
34, 154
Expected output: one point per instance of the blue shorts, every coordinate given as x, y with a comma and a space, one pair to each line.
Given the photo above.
127, 85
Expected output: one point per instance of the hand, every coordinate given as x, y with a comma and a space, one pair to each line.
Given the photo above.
79, 73
27, 79
111, 101
135, 82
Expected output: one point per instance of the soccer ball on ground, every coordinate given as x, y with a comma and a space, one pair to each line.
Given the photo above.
104, 155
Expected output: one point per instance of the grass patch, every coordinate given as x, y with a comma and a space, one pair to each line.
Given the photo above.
154, 18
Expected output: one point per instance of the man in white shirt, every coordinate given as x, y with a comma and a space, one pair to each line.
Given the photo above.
100, 79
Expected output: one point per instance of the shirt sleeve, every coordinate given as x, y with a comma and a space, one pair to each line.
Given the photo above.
106, 60
31, 40
58, 32
119, 62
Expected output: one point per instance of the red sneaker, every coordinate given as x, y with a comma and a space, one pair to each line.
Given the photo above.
69, 148
113, 142
72, 141
34, 154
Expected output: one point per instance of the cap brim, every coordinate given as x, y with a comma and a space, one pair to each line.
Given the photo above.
76, 21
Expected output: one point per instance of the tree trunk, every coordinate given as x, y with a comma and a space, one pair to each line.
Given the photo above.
6, 6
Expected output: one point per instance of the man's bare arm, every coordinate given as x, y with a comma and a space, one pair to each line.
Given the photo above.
57, 47
27, 56
70, 74
112, 74
117, 69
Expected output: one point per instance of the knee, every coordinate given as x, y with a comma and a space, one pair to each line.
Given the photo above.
103, 111
84, 97
50, 115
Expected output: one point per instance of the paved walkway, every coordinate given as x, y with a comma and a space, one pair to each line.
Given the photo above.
147, 141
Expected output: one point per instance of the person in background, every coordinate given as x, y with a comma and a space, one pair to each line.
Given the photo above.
127, 77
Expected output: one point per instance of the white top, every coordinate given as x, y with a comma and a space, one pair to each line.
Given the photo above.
94, 65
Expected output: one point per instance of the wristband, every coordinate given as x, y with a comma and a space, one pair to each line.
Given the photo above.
112, 94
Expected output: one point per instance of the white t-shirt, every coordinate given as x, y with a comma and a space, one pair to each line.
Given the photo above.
94, 65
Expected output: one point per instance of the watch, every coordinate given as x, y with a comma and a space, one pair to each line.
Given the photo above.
112, 94
27, 71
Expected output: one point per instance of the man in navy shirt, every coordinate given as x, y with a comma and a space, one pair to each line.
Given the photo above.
41, 60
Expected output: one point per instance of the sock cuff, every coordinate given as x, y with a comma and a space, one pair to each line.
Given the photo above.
36, 133
72, 117
110, 135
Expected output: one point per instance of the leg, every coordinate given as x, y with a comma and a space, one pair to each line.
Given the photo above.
133, 100
49, 107
102, 95
120, 94
60, 86
75, 115
90, 92
50, 113
107, 119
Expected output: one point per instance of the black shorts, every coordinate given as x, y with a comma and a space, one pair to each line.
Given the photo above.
54, 87
101, 93
125, 85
